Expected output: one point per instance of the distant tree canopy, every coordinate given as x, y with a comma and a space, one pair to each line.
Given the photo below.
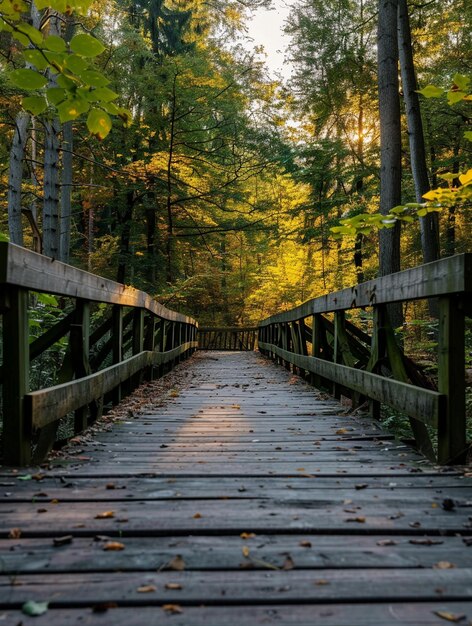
141, 140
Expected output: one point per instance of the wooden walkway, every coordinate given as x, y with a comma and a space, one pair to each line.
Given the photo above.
245, 497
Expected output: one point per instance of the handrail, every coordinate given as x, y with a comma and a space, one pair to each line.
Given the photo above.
231, 338
23, 268
158, 338
344, 359
447, 276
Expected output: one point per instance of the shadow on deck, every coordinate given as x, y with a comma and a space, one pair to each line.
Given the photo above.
242, 497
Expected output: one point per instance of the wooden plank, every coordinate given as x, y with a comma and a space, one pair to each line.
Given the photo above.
423, 404
447, 276
302, 614
29, 270
48, 405
207, 553
243, 587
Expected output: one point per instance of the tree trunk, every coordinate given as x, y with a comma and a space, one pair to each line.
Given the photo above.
429, 224
51, 222
15, 177
390, 140
51, 195
125, 220
66, 191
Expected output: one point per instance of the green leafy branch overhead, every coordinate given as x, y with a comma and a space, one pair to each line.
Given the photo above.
458, 191
62, 75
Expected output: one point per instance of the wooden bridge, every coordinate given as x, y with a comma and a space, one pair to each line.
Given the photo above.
231, 490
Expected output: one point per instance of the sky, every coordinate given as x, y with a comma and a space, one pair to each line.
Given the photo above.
265, 28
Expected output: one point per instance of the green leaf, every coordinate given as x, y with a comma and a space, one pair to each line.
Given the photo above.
32, 33
468, 135
65, 82
126, 116
86, 45
76, 63
453, 97
35, 104
55, 95
36, 58
99, 123
56, 59
28, 79
55, 43
94, 78
461, 82
34, 609
71, 109
104, 94
431, 91
25, 477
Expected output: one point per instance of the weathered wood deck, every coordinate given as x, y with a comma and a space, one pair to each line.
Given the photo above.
245, 498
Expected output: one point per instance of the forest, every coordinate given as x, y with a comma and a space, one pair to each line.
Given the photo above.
146, 141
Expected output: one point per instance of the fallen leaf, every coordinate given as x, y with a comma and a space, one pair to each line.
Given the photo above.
443, 565
113, 546
110, 486
15, 533
176, 563
288, 563
38, 477
62, 541
245, 551
361, 486
41, 510
341, 431
386, 542
146, 589
322, 581
426, 542
197, 516
105, 515
448, 504
359, 519
34, 609
247, 535
173, 586
450, 617
305, 544
172, 608
415, 524
24, 477
467, 541
235, 406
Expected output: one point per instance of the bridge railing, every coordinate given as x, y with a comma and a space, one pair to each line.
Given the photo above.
227, 338
317, 341
139, 337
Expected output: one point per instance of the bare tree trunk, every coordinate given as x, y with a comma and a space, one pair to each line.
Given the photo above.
51, 224
51, 195
15, 177
66, 191
429, 224
67, 176
390, 139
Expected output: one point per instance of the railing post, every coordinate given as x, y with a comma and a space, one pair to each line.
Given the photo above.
137, 341
339, 317
79, 341
451, 380
150, 340
378, 350
316, 347
16, 425
117, 345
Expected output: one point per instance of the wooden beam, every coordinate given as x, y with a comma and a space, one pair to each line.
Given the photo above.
451, 381
444, 277
16, 426
29, 270
49, 405
424, 404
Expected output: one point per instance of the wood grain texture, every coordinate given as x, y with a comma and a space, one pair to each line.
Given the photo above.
240, 496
